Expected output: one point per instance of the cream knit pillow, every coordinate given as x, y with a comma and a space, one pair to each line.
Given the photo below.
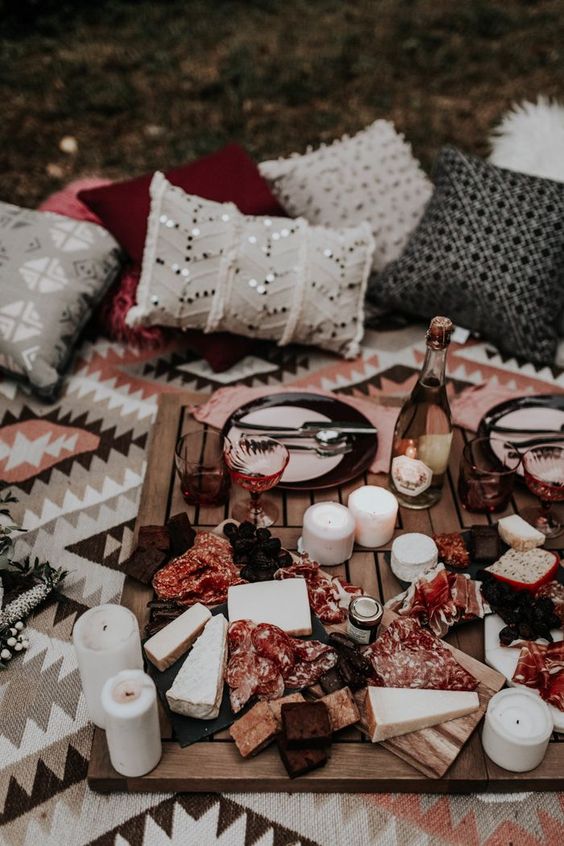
207, 266
372, 176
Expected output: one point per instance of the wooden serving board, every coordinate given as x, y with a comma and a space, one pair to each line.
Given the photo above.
448, 758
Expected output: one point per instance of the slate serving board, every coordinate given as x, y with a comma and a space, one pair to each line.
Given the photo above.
188, 730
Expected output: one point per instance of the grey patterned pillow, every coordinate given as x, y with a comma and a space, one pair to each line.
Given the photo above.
372, 176
207, 266
53, 272
489, 253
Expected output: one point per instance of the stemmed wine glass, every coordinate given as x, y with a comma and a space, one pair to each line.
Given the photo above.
544, 475
256, 464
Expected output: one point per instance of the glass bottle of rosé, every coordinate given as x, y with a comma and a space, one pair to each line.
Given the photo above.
423, 432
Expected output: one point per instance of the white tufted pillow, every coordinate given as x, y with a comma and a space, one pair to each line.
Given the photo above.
207, 266
372, 176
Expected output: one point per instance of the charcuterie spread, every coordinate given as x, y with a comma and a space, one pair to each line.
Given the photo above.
296, 693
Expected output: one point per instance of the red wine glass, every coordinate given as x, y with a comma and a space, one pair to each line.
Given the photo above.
257, 465
544, 474
204, 479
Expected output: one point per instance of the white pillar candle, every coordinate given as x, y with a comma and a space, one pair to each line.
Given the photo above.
328, 533
374, 510
517, 728
106, 639
129, 701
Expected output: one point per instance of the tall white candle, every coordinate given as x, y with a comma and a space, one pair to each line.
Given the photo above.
129, 701
375, 511
106, 639
517, 728
328, 533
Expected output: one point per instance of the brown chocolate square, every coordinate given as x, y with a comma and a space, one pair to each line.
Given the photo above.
305, 724
298, 762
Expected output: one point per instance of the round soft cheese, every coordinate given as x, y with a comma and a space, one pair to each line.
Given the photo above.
412, 554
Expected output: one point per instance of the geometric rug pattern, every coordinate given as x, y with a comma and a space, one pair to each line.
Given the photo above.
76, 468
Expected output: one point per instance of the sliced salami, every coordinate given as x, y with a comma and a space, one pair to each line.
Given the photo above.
406, 655
306, 673
274, 644
309, 650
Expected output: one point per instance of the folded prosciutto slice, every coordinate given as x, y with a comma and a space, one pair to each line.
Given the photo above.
439, 599
541, 666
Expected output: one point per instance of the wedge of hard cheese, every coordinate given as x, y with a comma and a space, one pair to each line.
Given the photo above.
198, 688
283, 603
391, 711
519, 534
166, 646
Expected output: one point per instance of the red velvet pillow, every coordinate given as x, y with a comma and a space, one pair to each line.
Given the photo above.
228, 175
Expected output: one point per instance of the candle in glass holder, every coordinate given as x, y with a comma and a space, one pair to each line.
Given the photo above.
374, 510
129, 702
328, 533
106, 639
517, 728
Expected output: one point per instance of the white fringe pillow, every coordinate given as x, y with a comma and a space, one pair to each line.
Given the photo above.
371, 176
207, 266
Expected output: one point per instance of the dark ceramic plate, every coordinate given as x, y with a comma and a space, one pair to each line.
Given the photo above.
291, 407
534, 412
188, 730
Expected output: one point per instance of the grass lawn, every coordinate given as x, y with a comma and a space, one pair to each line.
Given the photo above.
144, 85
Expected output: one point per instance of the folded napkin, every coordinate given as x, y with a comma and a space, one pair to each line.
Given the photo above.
472, 403
225, 401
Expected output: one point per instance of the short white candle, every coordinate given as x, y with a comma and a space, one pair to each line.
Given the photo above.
106, 639
375, 511
129, 702
328, 533
517, 728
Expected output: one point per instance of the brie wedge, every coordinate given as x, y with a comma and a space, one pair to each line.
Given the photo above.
283, 603
391, 711
198, 688
172, 641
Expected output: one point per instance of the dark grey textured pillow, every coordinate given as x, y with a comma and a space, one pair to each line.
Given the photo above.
489, 253
53, 272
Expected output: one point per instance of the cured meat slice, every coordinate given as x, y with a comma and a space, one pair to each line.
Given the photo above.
203, 574
406, 655
329, 598
275, 644
309, 650
439, 599
306, 673
541, 667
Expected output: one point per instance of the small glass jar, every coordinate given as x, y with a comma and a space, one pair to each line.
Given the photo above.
365, 616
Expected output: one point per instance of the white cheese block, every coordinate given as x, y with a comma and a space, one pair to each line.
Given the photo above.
391, 711
198, 688
519, 534
172, 641
283, 603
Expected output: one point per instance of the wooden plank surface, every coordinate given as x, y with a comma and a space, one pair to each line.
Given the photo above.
356, 764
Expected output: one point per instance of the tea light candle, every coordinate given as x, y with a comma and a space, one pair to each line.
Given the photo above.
374, 510
129, 702
106, 640
517, 728
328, 533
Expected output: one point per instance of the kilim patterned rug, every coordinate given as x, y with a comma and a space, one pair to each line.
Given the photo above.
77, 468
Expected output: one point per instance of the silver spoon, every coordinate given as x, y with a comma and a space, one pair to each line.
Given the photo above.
323, 437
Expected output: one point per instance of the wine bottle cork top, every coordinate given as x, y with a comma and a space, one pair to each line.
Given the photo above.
439, 332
